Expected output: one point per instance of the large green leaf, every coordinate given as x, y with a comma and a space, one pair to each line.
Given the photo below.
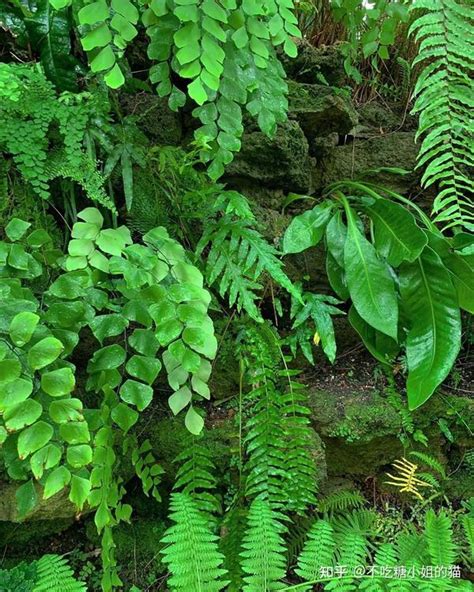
307, 230
369, 281
381, 346
460, 268
397, 237
49, 35
434, 338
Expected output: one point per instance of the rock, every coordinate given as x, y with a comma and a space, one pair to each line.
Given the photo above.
157, 121
282, 162
321, 110
56, 507
316, 64
395, 149
361, 430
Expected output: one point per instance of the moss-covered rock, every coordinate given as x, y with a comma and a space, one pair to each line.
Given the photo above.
362, 430
56, 507
351, 160
316, 64
321, 110
157, 121
282, 161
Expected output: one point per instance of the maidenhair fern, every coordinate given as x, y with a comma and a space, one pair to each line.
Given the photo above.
444, 101
55, 575
263, 557
191, 550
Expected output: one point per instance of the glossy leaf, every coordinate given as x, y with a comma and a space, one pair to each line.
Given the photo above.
58, 382
369, 281
307, 229
381, 346
397, 236
434, 337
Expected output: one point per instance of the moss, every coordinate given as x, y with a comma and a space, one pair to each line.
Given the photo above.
321, 110
17, 536
280, 162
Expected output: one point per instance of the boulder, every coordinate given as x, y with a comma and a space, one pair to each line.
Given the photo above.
321, 110
372, 151
157, 121
282, 161
316, 64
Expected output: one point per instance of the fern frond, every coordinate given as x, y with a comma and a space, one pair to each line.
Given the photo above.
263, 557
340, 501
232, 532
439, 536
412, 549
430, 461
55, 575
237, 257
195, 476
406, 480
191, 550
385, 556
317, 552
468, 526
444, 99
300, 475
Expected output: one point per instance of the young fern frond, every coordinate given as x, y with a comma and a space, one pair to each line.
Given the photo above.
196, 476
191, 550
263, 557
444, 99
317, 552
55, 575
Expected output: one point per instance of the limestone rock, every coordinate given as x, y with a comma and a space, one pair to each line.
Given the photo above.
394, 149
282, 161
316, 64
321, 110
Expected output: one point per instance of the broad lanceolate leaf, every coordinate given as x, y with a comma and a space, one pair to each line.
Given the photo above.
397, 237
434, 337
369, 281
381, 346
306, 230
49, 33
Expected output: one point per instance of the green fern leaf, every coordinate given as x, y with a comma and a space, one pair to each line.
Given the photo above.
439, 536
55, 575
318, 551
191, 550
444, 100
263, 557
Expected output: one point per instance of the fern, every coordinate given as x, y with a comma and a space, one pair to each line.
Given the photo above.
191, 550
263, 557
444, 97
279, 467
318, 551
340, 501
238, 255
430, 461
232, 532
439, 536
55, 575
195, 476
